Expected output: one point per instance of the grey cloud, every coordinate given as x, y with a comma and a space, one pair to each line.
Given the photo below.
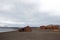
27, 13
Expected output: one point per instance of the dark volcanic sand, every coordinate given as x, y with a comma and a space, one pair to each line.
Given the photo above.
35, 35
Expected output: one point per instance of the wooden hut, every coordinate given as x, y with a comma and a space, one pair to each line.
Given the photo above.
27, 29
49, 27
21, 30
42, 27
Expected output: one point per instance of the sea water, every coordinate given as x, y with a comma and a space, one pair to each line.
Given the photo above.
7, 29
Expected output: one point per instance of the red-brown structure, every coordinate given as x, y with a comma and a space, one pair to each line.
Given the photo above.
53, 27
21, 30
42, 27
25, 29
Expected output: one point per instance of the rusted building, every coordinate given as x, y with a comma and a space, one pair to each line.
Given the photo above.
53, 27
25, 29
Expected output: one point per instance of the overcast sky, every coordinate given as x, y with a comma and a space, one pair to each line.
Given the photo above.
29, 12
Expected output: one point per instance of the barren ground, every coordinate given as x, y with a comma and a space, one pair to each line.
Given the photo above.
34, 35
